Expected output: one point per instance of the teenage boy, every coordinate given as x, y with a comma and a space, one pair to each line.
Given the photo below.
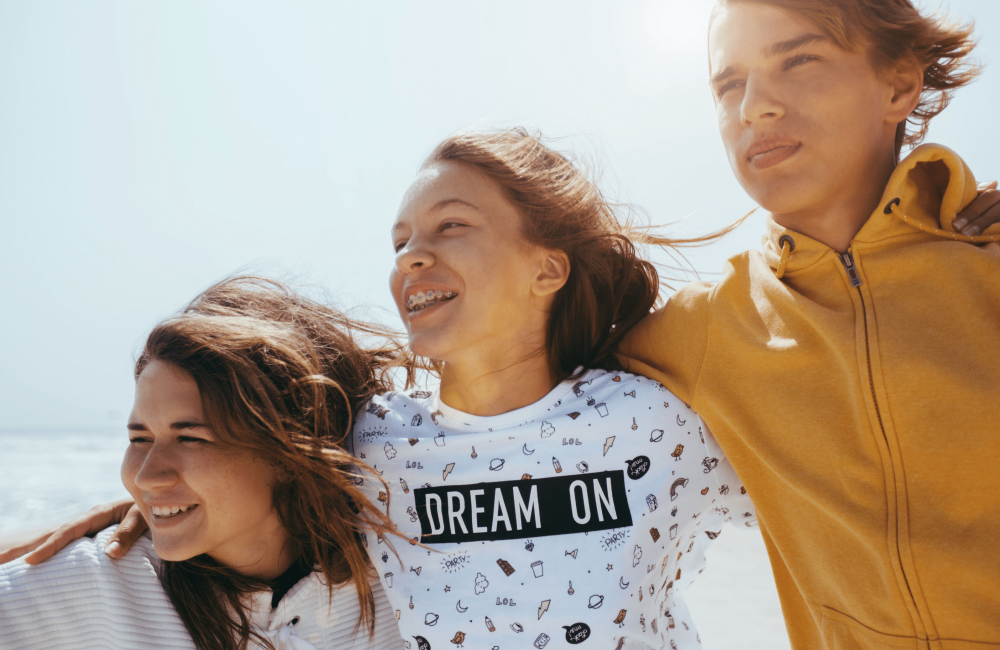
850, 368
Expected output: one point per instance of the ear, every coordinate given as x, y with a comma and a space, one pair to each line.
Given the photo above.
907, 83
553, 273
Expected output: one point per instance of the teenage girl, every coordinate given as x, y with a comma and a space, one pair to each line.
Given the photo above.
236, 463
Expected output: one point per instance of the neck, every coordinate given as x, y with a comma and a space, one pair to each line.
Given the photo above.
503, 382
838, 218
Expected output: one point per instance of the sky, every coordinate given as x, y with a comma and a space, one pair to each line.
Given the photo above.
148, 150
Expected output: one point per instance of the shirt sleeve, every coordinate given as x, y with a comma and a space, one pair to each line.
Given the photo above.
669, 345
737, 508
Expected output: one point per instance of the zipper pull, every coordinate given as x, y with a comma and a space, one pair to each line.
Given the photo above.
852, 272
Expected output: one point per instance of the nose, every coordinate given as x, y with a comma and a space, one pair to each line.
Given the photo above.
158, 469
413, 256
759, 102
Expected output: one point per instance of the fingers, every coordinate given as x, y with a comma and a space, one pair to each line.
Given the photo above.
982, 187
132, 526
90, 523
17, 551
980, 214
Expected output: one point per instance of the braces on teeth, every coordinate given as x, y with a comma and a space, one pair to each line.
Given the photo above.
421, 300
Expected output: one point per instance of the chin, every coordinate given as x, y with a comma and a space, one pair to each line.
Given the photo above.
172, 551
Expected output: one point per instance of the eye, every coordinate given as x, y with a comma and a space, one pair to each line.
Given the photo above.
398, 246
798, 60
191, 439
727, 87
139, 439
449, 225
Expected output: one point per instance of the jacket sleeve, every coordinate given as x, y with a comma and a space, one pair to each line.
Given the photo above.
669, 345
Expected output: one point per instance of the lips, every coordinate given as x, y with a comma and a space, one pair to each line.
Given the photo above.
165, 515
418, 298
771, 151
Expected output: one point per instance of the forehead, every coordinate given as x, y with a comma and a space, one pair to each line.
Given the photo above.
744, 32
163, 386
443, 182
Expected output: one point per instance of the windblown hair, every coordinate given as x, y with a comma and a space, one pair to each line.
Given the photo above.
280, 375
610, 286
894, 32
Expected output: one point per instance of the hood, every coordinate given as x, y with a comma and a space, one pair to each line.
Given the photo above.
925, 193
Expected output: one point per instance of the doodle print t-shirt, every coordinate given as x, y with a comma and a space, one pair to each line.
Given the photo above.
579, 519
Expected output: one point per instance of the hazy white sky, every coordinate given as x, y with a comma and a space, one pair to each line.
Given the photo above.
149, 149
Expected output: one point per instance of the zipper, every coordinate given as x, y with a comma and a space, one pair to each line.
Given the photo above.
847, 259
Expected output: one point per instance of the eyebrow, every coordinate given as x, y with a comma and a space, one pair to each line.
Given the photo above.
774, 49
440, 205
176, 426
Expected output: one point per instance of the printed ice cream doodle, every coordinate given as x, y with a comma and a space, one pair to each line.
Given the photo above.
595, 601
431, 619
422, 643
620, 619
529, 546
537, 569
651, 502
447, 471
681, 422
570, 591
439, 439
710, 464
583, 466
526, 451
481, 583
390, 451
637, 467
634, 425
541, 641
474, 454
608, 443
636, 555
556, 465
547, 429
416, 421
655, 534
656, 435
544, 607
489, 625
385, 557
496, 464
676, 453
679, 483
577, 633
459, 638
572, 553
402, 483
505, 566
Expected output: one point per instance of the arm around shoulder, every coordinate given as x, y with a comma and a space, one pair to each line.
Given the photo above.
669, 345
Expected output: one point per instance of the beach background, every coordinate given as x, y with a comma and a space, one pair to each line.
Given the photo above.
148, 150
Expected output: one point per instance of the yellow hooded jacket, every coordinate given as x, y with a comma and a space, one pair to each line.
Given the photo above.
857, 396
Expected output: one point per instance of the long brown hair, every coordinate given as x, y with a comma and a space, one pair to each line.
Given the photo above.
281, 375
611, 287
894, 32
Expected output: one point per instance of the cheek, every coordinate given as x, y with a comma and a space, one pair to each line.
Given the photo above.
244, 487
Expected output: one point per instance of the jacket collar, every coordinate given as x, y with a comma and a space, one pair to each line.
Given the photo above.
929, 188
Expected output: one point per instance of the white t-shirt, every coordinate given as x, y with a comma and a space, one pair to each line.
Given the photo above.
582, 516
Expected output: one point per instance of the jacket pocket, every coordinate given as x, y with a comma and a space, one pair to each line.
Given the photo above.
841, 632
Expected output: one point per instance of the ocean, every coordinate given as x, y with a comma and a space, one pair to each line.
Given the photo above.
48, 477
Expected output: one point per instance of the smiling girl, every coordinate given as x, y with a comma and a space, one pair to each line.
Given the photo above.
549, 497
235, 461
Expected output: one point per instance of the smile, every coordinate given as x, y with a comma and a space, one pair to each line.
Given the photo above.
170, 512
423, 300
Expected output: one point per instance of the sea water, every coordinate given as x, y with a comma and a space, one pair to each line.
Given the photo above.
48, 477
